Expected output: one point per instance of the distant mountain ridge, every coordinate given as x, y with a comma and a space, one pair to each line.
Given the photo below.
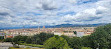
79, 25
58, 26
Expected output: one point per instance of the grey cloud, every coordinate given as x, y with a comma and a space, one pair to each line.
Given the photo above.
4, 13
99, 12
88, 19
47, 7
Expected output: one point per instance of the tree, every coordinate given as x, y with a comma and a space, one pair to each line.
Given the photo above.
8, 40
101, 37
86, 48
1, 37
19, 39
29, 40
75, 42
40, 38
66, 38
87, 42
16, 39
23, 38
56, 42
75, 32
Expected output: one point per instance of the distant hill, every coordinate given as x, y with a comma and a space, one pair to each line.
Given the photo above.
58, 26
76, 25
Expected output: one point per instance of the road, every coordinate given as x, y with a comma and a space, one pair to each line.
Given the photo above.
5, 45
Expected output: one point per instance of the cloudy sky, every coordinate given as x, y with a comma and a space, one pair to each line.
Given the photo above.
53, 12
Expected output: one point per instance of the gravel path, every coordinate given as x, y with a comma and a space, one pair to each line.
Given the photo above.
5, 45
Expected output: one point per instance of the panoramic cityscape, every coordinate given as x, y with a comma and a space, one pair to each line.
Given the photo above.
55, 24
81, 31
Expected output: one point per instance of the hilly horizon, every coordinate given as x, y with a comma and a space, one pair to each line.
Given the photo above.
57, 26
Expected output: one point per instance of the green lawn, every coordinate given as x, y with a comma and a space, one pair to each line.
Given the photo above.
25, 48
33, 45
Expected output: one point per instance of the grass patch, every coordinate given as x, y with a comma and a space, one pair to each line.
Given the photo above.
33, 45
24, 48
41, 46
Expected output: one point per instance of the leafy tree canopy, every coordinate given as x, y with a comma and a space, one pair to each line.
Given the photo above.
56, 42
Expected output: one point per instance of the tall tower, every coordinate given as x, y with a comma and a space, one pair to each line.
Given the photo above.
43, 27
38, 28
85, 30
62, 31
